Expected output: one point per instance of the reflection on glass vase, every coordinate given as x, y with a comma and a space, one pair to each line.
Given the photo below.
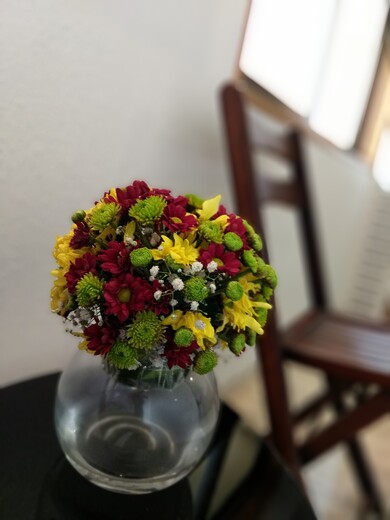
134, 431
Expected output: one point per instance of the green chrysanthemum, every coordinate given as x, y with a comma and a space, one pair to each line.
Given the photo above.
146, 331
141, 257
195, 289
232, 241
234, 290
211, 231
122, 355
147, 211
237, 344
254, 239
78, 216
89, 290
103, 216
205, 361
183, 337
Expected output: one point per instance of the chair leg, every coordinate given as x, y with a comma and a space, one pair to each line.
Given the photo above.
357, 456
364, 475
279, 414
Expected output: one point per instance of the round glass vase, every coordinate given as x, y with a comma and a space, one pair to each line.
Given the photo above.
134, 431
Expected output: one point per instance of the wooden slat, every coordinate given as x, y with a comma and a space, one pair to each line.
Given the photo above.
284, 192
348, 348
346, 426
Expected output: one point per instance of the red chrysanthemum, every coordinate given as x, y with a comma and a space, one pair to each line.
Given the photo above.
175, 218
179, 201
221, 211
115, 259
128, 196
81, 236
81, 266
227, 261
100, 338
179, 356
125, 295
165, 193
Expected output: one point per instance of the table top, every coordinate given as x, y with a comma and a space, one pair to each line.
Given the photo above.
38, 483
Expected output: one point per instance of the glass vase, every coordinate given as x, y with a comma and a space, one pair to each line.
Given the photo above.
134, 431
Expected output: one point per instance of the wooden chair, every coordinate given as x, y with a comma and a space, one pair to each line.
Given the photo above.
353, 356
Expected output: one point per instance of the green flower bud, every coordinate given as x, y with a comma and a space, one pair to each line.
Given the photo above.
232, 241
267, 272
78, 216
195, 201
183, 337
205, 361
141, 257
146, 331
250, 259
253, 238
147, 211
261, 316
271, 276
267, 292
234, 290
250, 337
211, 231
122, 355
195, 289
88, 290
237, 344
103, 216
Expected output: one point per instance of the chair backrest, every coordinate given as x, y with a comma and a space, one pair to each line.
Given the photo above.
252, 190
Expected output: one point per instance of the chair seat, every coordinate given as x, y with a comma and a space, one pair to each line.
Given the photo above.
340, 345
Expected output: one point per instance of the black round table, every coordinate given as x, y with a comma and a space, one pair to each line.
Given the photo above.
37, 482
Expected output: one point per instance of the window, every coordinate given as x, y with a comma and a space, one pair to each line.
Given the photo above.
319, 57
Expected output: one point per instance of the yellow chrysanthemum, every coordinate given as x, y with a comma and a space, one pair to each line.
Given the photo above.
247, 283
182, 250
163, 250
241, 314
105, 236
240, 320
63, 255
199, 325
83, 345
129, 231
210, 208
59, 294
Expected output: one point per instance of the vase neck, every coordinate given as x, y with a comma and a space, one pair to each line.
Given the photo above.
149, 377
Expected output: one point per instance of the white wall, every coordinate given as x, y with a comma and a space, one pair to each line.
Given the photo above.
95, 94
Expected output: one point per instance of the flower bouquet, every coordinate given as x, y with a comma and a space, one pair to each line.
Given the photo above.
146, 279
